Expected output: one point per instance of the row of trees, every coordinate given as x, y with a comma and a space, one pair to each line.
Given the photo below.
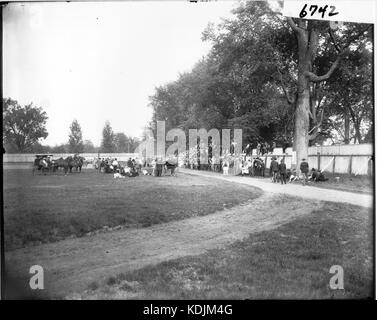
24, 127
279, 79
117, 142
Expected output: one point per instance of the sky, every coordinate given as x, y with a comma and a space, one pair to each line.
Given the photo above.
100, 61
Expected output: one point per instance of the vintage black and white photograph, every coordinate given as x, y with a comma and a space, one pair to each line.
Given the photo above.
188, 150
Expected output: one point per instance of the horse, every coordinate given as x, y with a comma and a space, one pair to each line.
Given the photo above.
78, 162
75, 162
61, 163
170, 166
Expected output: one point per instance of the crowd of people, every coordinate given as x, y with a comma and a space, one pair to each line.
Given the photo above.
255, 166
230, 164
252, 166
111, 165
279, 172
265, 148
134, 167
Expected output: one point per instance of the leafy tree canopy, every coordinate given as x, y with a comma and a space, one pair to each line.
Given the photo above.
23, 127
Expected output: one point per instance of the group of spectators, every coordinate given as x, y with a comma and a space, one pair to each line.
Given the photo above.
279, 172
223, 164
133, 167
112, 165
264, 148
252, 166
315, 175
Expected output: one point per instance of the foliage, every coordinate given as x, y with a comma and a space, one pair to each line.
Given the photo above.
23, 127
124, 143
108, 143
75, 141
89, 147
251, 79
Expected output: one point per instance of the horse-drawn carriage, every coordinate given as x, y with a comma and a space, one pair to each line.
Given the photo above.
44, 163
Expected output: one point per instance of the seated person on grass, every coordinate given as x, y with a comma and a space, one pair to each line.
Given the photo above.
313, 175
291, 175
317, 175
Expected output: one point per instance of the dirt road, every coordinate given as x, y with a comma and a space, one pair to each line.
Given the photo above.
71, 265
308, 192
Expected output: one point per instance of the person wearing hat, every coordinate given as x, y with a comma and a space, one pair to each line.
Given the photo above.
274, 169
304, 168
283, 172
314, 175
317, 175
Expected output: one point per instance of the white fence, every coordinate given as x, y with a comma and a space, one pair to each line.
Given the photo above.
346, 159
343, 149
28, 157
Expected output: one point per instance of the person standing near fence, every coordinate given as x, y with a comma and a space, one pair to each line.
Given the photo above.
274, 169
283, 171
304, 168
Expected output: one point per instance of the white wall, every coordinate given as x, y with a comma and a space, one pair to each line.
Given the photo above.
359, 164
28, 157
354, 149
360, 160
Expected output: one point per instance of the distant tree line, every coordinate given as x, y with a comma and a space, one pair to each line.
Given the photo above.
25, 126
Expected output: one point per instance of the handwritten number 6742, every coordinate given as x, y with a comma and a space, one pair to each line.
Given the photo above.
321, 10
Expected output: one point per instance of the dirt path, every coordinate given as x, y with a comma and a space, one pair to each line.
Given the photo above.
71, 265
308, 192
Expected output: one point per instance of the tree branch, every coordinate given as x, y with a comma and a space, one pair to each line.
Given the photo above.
316, 128
313, 44
281, 21
334, 41
294, 26
313, 135
315, 78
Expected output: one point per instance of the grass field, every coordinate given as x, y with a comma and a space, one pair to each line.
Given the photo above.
292, 261
46, 208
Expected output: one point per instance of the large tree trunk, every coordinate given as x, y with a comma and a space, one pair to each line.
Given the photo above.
346, 127
302, 122
357, 131
303, 101
308, 41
